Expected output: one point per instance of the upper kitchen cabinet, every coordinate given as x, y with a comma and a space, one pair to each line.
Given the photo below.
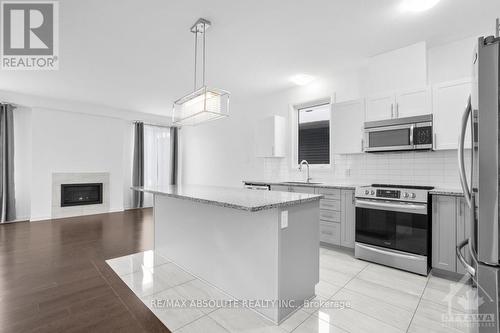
449, 102
401, 104
380, 107
270, 137
415, 102
347, 127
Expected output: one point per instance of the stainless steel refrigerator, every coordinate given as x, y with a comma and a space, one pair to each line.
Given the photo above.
481, 252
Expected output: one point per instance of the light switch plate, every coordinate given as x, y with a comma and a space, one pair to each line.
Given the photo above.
284, 219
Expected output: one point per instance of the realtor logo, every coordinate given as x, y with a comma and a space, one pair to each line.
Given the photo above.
30, 38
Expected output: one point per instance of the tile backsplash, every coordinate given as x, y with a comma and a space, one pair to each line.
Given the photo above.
436, 168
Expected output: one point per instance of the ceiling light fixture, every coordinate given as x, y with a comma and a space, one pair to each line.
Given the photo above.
418, 5
302, 79
204, 103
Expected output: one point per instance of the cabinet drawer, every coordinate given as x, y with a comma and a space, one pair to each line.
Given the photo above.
279, 188
329, 233
301, 189
330, 193
329, 215
330, 204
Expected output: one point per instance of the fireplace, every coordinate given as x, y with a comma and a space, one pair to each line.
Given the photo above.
81, 194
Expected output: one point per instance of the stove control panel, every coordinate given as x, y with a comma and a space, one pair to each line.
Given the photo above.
400, 194
393, 194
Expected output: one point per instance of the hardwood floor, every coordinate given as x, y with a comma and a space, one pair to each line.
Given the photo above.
53, 277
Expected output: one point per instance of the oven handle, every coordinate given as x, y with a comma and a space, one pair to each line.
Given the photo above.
392, 253
406, 208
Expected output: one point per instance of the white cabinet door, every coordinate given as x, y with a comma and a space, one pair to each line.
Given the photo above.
380, 107
270, 137
449, 102
414, 102
347, 219
347, 127
444, 232
463, 229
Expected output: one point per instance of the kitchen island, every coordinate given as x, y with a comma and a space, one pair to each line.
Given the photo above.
256, 246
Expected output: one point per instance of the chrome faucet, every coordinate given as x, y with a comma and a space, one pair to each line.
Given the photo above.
300, 169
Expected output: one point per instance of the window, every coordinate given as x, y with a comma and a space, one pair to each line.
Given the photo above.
156, 156
156, 159
314, 134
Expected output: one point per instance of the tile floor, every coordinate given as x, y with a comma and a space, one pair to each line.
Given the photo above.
376, 299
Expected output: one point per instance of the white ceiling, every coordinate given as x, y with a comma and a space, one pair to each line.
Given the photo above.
138, 55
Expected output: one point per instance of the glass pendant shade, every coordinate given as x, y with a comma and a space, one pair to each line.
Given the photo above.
202, 105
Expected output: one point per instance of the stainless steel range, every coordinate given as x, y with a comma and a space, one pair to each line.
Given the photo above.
393, 226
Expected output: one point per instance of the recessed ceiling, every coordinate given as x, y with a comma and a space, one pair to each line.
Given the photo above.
137, 55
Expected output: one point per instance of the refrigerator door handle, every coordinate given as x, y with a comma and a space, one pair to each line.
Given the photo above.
471, 270
461, 162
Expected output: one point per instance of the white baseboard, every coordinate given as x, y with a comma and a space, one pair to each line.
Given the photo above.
44, 218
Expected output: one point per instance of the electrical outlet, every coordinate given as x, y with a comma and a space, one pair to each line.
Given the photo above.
284, 219
348, 172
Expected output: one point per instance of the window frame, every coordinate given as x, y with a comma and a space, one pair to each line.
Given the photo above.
294, 123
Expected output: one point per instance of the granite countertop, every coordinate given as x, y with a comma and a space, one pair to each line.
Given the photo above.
237, 198
447, 191
437, 191
313, 184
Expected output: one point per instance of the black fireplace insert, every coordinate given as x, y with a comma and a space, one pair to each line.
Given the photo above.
81, 194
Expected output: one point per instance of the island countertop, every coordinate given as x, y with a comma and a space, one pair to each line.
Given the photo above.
237, 198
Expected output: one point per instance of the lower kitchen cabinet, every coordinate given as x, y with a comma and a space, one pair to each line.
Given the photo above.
337, 213
329, 232
347, 218
464, 230
450, 225
444, 238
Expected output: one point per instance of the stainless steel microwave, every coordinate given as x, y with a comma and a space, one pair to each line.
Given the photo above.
411, 133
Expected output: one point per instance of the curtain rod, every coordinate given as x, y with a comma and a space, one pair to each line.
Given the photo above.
154, 125
10, 103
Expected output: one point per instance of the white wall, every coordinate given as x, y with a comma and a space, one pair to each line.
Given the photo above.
62, 136
73, 142
223, 152
451, 61
401, 69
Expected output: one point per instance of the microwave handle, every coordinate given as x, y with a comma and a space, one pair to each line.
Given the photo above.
412, 130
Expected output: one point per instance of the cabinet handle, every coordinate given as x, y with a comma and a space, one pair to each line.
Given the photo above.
353, 198
392, 110
435, 141
397, 110
362, 144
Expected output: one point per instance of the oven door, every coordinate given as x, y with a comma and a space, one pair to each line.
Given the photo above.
395, 225
397, 137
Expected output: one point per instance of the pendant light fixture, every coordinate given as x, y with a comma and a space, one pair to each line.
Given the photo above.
204, 103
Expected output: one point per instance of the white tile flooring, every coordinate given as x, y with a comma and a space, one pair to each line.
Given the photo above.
379, 299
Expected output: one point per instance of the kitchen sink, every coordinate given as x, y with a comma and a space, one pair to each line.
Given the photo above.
301, 183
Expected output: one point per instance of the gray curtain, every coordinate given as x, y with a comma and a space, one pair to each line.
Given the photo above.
174, 142
138, 165
7, 200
